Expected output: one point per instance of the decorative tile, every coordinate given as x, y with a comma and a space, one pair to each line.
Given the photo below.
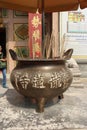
20, 31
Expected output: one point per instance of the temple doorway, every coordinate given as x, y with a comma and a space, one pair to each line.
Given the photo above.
3, 39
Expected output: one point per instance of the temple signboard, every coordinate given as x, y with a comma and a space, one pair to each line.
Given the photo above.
35, 34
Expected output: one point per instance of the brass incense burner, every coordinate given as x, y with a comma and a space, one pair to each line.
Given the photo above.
41, 79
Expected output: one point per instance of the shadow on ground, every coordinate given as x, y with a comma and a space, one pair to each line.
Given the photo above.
19, 100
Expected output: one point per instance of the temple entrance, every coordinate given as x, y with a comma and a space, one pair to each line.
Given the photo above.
3, 39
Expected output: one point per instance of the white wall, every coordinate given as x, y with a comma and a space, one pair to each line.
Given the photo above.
72, 39
63, 23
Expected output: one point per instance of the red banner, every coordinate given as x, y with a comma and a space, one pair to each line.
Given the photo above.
35, 35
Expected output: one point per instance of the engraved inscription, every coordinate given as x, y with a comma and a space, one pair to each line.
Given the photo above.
38, 81
23, 79
59, 79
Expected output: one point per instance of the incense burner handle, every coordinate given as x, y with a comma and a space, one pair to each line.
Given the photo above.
67, 54
13, 54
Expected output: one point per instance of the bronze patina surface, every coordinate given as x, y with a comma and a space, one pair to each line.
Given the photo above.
41, 79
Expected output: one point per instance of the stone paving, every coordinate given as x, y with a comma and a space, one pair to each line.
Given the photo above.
46, 117
68, 113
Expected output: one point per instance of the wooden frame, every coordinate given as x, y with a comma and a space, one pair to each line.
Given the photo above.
20, 14
3, 13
